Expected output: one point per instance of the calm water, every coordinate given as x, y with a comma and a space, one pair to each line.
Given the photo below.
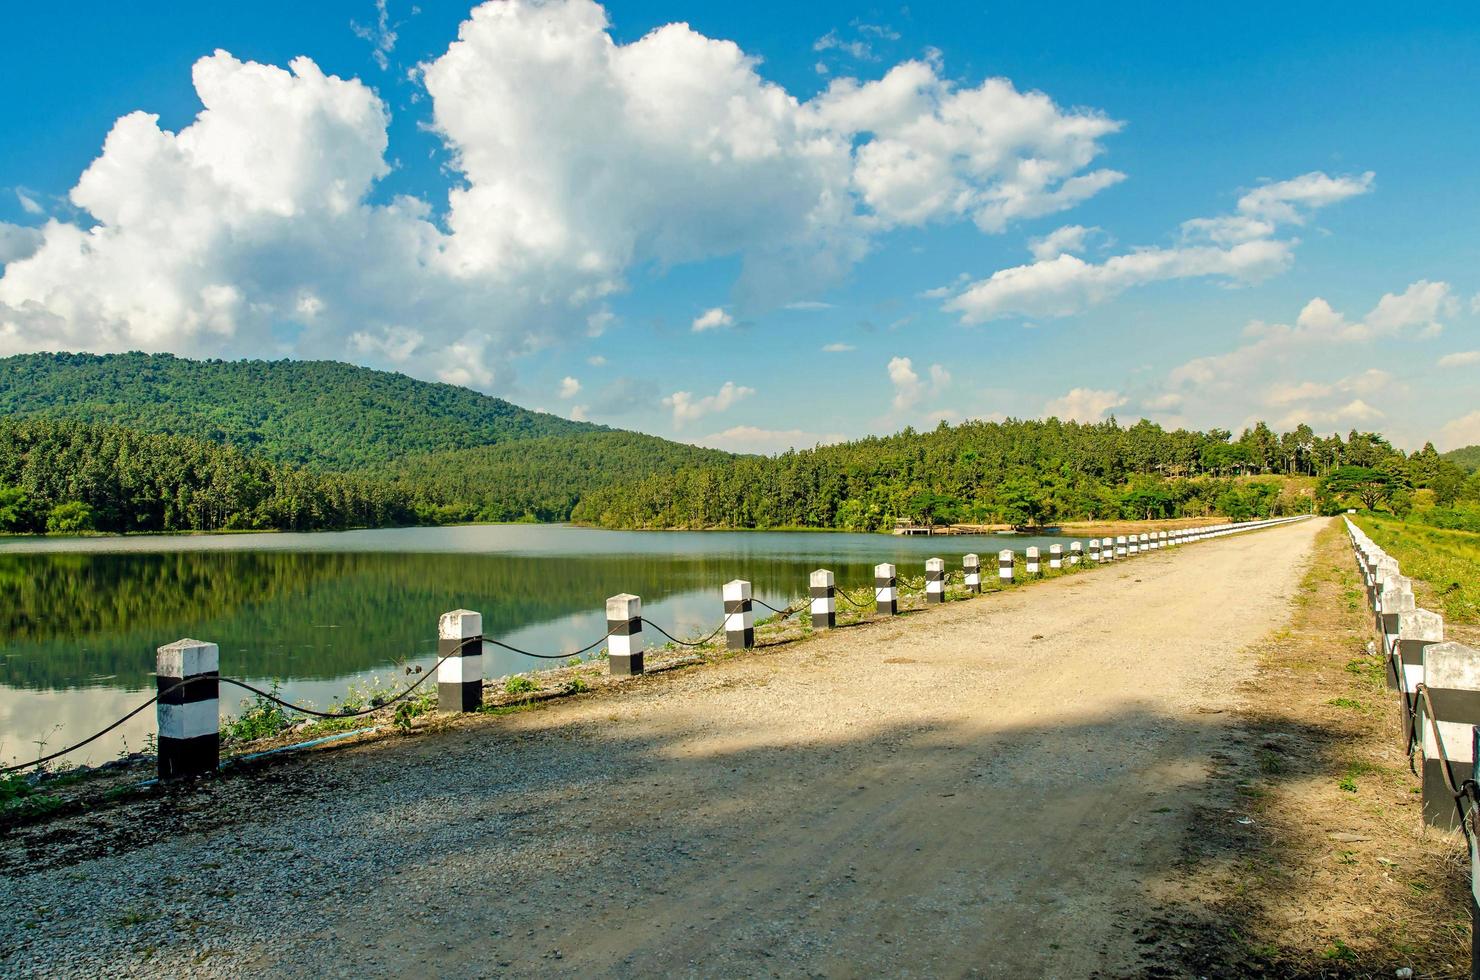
315, 612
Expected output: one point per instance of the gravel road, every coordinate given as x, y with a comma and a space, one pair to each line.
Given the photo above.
994, 787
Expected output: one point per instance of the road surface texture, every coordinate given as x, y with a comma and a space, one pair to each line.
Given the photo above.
996, 787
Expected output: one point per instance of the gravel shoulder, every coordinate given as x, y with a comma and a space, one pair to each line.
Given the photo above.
998, 787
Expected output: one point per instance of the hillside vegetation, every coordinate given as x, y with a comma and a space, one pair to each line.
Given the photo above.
322, 414
1028, 473
65, 476
1467, 459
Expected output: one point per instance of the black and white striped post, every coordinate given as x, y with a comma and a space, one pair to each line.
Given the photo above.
625, 642
1451, 677
1474, 867
188, 711
739, 615
1146, 544
886, 590
1094, 550
1076, 552
460, 656
935, 581
1120, 546
1107, 549
1034, 566
823, 587
1417, 630
971, 573
1161, 538
1055, 557
1004, 566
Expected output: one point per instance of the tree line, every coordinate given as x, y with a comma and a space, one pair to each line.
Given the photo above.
1019, 472
62, 476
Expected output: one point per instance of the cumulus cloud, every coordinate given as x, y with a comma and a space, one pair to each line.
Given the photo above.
1460, 432
1462, 358
575, 158
1236, 248
1269, 376
1084, 405
1069, 238
687, 408
909, 388
18, 242
569, 387
751, 439
712, 319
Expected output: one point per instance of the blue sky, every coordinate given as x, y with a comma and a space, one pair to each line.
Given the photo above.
778, 224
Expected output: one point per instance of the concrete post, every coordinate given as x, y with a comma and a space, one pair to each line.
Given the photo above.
886, 592
824, 600
1035, 567
1076, 552
739, 616
188, 711
971, 569
1120, 546
1107, 549
1417, 630
626, 643
460, 652
1055, 557
935, 581
1094, 550
1451, 674
1145, 541
1161, 539
1004, 566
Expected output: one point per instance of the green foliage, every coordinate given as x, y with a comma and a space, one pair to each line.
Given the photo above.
1371, 486
71, 517
18, 797
1446, 563
1467, 459
322, 414
260, 718
519, 684
1023, 473
65, 477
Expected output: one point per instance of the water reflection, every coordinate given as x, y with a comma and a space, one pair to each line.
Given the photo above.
81, 618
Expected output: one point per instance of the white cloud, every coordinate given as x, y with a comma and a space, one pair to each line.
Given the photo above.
569, 387
909, 389
1084, 405
1069, 238
809, 305
1238, 248
856, 49
1460, 432
580, 413
18, 242
750, 439
381, 35
990, 153
28, 203
596, 360
837, 348
713, 319
686, 408
1303, 372
1461, 358
575, 158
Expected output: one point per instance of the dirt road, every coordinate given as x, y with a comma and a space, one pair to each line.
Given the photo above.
995, 787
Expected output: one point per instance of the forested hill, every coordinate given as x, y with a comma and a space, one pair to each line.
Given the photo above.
1033, 472
321, 414
1467, 459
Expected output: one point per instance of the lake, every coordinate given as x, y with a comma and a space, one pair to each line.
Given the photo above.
318, 612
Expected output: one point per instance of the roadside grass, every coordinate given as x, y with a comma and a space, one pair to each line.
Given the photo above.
1316, 761
1445, 565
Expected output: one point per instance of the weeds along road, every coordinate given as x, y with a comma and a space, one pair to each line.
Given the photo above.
996, 787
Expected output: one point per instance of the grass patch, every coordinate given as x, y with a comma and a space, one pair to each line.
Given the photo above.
519, 684
1444, 564
19, 798
1352, 703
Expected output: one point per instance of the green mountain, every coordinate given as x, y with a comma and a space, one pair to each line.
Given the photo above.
322, 414
1467, 459
288, 444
